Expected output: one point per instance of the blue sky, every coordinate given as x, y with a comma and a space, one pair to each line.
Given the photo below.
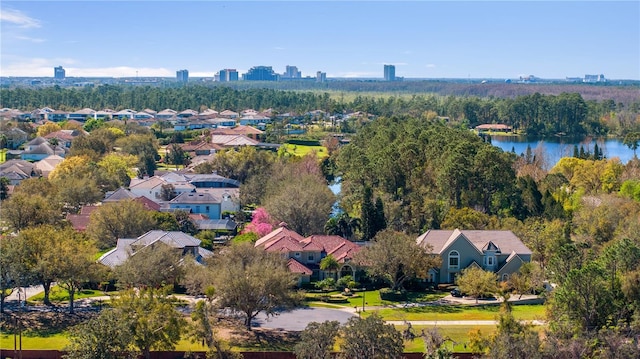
424, 39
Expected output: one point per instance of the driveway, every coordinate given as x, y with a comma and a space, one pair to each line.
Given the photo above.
297, 319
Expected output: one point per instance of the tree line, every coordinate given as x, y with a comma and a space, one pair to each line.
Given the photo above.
533, 114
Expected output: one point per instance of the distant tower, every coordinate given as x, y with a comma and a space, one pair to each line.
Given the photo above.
228, 75
58, 73
182, 76
389, 73
292, 72
321, 76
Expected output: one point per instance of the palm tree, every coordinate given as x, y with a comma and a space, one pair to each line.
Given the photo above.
330, 264
331, 227
347, 225
343, 225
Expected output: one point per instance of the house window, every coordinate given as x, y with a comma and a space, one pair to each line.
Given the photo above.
297, 255
505, 277
454, 260
310, 258
490, 261
207, 208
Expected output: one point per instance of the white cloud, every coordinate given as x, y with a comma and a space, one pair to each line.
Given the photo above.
18, 18
355, 74
32, 39
278, 48
40, 67
430, 65
393, 63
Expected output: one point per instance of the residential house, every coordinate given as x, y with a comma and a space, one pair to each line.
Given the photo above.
15, 137
48, 164
223, 122
80, 221
233, 141
199, 148
187, 114
150, 187
82, 115
248, 131
181, 242
256, 121
126, 114
166, 115
17, 171
64, 137
500, 252
39, 148
118, 195
228, 114
304, 254
198, 203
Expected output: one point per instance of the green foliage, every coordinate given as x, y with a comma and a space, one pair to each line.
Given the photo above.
396, 258
123, 219
371, 338
317, 340
253, 281
250, 237
151, 319
477, 282
107, 336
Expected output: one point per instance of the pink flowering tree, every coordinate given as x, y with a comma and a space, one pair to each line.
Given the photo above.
260, 224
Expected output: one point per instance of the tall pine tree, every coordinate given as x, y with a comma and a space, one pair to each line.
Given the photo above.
368, 215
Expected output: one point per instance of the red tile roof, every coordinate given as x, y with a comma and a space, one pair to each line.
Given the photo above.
285, 240
148, 204
297, 267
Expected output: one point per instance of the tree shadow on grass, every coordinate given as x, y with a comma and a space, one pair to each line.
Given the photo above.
41, 324
260, 339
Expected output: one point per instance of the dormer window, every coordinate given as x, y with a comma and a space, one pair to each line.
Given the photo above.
454, 260
490, 261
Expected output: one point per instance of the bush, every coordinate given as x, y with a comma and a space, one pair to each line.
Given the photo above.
303, 142
392, 295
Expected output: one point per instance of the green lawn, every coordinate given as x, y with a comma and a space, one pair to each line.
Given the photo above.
59, 294
371, 299
51, 342
458, 335
301, 150
461, 312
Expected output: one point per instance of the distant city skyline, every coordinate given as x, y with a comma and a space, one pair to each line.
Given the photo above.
422, 39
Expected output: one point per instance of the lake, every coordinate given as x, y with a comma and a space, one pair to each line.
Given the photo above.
557, 148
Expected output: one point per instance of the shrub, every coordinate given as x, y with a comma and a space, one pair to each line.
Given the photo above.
392, 295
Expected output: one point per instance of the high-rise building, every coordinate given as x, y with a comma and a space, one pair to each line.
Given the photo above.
182, 75
260, 73
321, 76
59, 73
291, 72
389, 73
227, 75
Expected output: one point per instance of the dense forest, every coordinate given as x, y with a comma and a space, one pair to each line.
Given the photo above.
535, 114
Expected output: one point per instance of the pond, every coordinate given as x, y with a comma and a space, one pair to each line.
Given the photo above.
556, 148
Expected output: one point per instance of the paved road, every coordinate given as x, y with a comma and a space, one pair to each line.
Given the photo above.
298, 319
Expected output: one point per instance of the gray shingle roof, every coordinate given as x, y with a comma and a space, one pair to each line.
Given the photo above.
128, 246
505, 241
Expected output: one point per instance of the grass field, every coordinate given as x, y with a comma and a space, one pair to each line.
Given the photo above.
59, 294
29, 341
462, 312
301, 150
371, 298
